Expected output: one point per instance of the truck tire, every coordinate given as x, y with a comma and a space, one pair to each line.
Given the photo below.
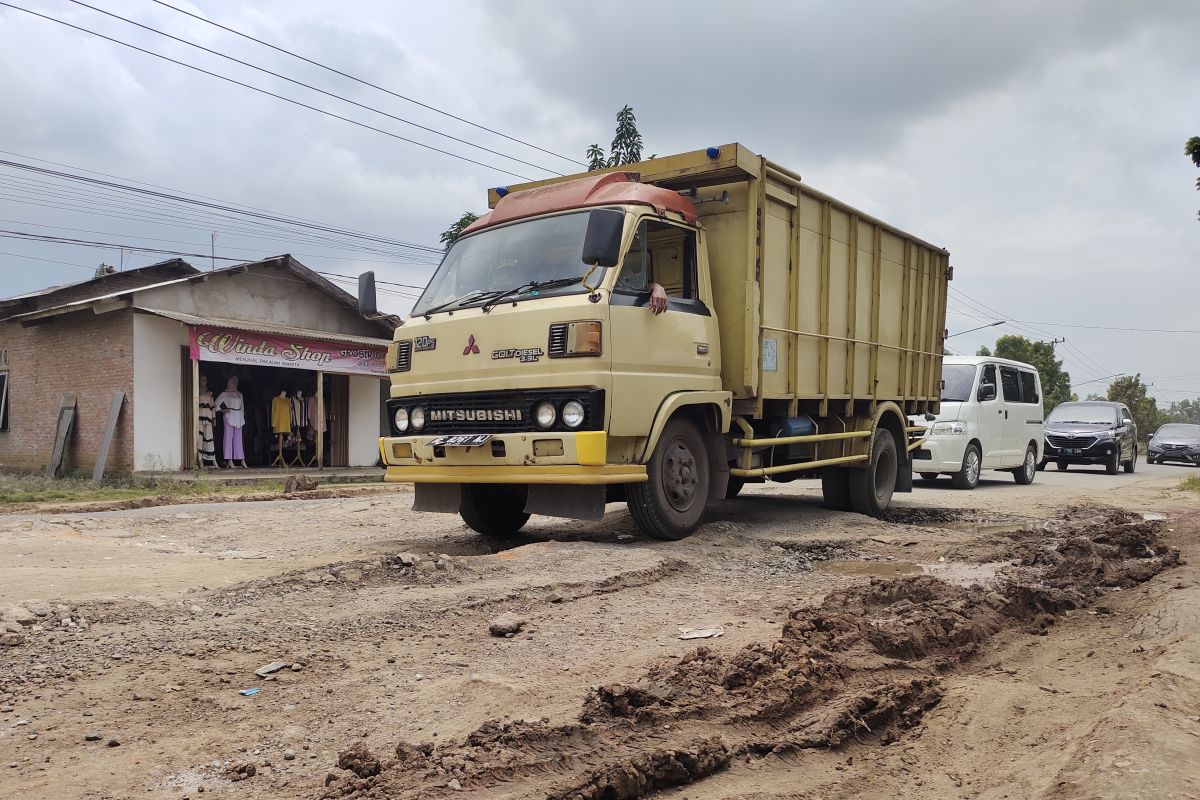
735, 487
493, 509
968, 476
871, 488
1114, 464
1028, 469
671, 502
835, 486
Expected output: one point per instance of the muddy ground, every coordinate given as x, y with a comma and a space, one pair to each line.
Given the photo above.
1010, 642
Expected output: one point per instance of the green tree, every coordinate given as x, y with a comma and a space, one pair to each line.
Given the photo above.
1056, 382
1132, 392
1191, 149
983, 351
1183, 411
451, 234
626, 147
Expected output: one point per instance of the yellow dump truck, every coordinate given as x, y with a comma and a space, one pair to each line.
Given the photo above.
534, 375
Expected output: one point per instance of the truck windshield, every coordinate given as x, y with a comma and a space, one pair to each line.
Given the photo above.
957, 382
493, 261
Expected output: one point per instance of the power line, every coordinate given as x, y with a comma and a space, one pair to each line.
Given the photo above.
310, 87
253, 88
221, 207
50, 260
365, 82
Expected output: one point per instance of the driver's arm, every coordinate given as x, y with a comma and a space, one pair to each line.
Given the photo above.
658, 299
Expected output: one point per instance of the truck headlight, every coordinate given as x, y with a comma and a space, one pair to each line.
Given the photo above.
955, 428
572, 414
417, 417
401, 418
545, 414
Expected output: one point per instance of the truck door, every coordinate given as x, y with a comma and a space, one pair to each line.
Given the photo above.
991, 417
678, 350
1013, 417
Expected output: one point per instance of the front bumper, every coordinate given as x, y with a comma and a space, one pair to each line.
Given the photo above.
1184, 456
1099, 453
578, 458
940, 454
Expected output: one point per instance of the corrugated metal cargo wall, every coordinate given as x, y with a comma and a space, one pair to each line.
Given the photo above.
819, 303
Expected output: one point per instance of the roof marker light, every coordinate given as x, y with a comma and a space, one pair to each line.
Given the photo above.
713, 152
501, 191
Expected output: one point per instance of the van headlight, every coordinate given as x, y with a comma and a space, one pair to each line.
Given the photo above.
955, 428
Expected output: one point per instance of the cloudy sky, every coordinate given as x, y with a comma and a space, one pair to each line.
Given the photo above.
1041, 143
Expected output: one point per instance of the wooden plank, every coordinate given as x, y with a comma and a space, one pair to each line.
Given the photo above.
66, 421
906, 323
852, 313
876, 271
320, 420
110, 430
823, 310
794, 309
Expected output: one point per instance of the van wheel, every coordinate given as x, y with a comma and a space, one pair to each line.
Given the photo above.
871, 488
494, 510
929, 476
1131, 464
670, 504
1114, 464
968, 476
835, 488
735, 487
1026, 472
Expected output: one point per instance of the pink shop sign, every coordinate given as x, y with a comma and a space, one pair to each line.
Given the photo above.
273, 350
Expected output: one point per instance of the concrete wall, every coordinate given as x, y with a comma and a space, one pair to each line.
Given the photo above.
364, 421
157, 392
85, 354
263, 293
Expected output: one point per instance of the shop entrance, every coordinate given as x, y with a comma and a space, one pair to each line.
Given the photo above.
282, 426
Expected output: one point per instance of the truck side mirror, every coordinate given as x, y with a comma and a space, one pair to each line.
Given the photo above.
602, 242
987, 391
366, 295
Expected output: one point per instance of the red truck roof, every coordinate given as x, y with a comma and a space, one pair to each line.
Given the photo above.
607, 189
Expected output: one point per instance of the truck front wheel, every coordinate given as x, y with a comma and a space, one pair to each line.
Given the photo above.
494, 510
670, 504
871, 488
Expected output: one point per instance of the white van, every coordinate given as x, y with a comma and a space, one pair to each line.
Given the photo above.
991, 418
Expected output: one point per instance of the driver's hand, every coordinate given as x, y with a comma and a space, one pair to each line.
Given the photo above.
658, 299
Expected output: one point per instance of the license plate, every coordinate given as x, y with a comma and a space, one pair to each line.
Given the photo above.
1072, 451
461, 440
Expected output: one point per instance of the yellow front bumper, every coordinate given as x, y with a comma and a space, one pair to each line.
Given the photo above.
575, 458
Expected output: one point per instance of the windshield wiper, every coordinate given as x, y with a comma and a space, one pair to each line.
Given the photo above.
473, 295
532, 286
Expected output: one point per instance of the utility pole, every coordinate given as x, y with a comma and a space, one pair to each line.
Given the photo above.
212, 265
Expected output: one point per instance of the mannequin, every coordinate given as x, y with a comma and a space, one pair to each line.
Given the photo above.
281, 421
231, 403
204, 431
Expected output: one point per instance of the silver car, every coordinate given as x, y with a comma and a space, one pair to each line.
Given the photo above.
1175, 442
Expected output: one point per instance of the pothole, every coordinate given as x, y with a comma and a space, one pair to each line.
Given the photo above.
959, 573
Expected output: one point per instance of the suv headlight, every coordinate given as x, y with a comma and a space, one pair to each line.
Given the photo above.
956, 428
1109, 434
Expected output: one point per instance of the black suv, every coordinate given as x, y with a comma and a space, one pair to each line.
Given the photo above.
1091, 432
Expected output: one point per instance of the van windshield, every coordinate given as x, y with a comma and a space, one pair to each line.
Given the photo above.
508, 257
1088, 415
957, 382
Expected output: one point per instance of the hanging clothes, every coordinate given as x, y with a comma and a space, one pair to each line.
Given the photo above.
299, 411
205, 443
281, 414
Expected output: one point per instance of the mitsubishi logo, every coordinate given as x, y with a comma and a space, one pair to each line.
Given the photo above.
471, 346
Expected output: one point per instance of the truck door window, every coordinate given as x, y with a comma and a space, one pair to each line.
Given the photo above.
1029, 392
1012, 385
664, 254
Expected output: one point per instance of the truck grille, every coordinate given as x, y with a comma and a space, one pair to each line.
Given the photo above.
498, 412
1082, 442
404, 355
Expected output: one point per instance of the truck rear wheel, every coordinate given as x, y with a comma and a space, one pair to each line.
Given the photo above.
835, 487
671, 502
494, 509
871, 488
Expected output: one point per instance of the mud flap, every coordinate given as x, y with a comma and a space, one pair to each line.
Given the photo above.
572, 502
442, 498
718, 465
904, 477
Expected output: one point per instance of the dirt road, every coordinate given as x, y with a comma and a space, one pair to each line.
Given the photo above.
1009, 642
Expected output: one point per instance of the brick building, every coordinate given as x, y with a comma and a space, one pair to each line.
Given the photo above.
158, 334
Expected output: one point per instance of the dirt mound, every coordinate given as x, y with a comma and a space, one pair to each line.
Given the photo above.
866, 664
